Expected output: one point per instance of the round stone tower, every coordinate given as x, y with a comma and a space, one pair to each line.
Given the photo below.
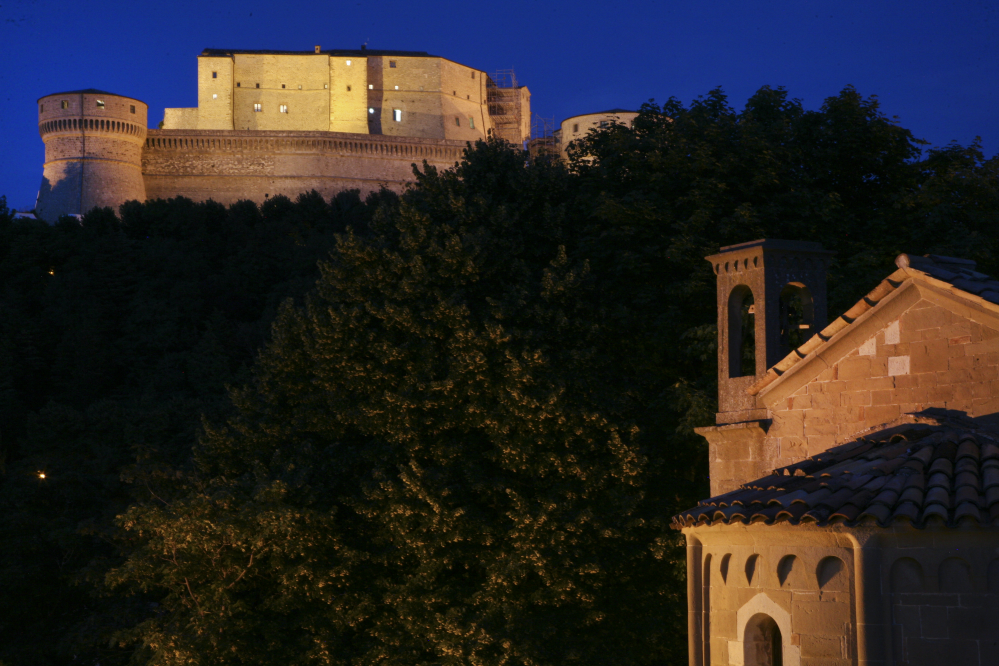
93, 152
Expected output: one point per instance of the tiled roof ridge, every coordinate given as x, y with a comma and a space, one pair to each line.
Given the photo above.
954, 273
934, 465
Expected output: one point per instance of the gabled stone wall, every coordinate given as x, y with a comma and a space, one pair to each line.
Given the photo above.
930, 356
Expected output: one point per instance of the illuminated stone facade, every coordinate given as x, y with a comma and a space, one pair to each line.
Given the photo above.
854, 469
271, 122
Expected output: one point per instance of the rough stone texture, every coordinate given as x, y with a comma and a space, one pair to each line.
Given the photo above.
908, 509
942, 359
93, 147
408, 94
853, 595
760, 270
229, 166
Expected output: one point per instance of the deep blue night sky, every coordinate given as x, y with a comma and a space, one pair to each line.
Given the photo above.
935, 65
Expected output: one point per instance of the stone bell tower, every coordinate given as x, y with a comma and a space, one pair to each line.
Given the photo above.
771, 299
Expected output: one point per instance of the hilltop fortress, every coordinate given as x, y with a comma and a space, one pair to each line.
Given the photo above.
274, 122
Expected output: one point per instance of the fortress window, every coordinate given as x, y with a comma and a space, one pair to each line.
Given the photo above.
326, 85
468, 97
471, 122
237, 84
100, 104
284, 108
215, 75
348, 63
371, 86
299, 86
457, 121
41, 108
215, 95
397, 115
65, 104
348, 88
473, 75
258, 85
131, 108
282, 85
397, 87
575, 128
392, 64
256, 108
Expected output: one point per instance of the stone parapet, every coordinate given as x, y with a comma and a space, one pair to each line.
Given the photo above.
233, 165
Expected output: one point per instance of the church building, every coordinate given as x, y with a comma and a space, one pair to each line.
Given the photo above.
854, 468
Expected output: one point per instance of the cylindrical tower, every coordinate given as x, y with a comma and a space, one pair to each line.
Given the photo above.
93, 152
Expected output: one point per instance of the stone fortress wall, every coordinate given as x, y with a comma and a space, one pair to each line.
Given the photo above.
270, 123
227, 166
93, 151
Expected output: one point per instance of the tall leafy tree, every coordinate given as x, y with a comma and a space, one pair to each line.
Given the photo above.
436, 462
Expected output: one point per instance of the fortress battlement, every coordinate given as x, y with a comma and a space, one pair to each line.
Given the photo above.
275, 122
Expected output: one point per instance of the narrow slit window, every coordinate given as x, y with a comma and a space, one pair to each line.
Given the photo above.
348, 88
283, 108
473, 75
326, 85
257, 108
131, 108
237, 84
397, 115
575, 128
457, 121
215, 75
65, 104
215, 95
471, 122
41, 108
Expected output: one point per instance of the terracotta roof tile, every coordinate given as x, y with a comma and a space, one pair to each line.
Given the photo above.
933, 466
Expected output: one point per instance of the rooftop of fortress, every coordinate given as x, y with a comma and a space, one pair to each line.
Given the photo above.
334, 52
88, 91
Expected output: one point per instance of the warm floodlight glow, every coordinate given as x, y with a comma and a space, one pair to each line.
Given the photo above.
41, 475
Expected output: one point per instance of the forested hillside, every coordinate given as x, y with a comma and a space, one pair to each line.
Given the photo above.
457, 422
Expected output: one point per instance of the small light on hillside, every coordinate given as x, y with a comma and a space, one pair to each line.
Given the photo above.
41, 475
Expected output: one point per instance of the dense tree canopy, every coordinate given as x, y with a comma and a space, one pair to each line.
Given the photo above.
464, 445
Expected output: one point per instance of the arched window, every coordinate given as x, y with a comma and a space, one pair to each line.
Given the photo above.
741, 333
763, 643
797, 316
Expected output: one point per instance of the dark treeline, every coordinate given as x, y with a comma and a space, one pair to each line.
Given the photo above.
459, 420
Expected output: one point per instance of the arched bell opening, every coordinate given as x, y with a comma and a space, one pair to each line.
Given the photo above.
797, 317
763, 643
741, 332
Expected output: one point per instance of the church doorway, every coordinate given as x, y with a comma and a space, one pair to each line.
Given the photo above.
764, 645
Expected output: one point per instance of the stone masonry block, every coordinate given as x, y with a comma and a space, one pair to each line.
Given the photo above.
855, 398
821, 647
927, 356
923, 318
882, 414
933, 621
858, 367
819, 618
